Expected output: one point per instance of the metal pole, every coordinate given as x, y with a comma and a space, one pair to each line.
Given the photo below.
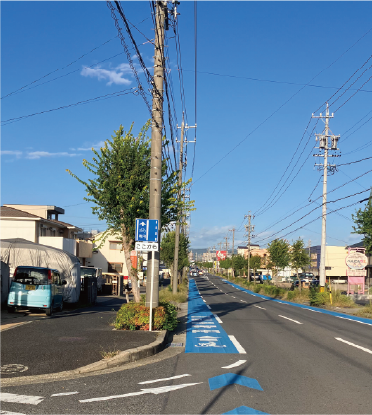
152, 290
322, 275
177, 234
156, 145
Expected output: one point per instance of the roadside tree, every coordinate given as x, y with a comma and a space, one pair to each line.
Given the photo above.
299, 258
119, 189
167, 250
279, 255
363, 224
255, 263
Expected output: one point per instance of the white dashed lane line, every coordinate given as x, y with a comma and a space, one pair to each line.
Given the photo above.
354, 345
257, 306
64, 393
238, 363
163, 379
238, 346
217, 318
287, 318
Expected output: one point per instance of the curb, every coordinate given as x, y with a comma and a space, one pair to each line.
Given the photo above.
127, 356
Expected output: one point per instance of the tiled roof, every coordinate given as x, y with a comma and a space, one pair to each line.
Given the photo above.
8, 212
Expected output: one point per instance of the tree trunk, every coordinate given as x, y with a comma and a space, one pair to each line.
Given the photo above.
299, 281
127, 247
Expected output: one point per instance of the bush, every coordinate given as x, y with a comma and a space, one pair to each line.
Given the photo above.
316, 298
136, 316
291, 295
257, 289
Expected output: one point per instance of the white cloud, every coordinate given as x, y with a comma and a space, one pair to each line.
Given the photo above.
33, 155
208, 236
95, 146
16, 153
113, 76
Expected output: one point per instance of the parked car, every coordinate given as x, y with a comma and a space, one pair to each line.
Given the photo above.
93, 272
36, 288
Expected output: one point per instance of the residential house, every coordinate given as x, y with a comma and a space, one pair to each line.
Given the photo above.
40, 224
110, 256
335, 266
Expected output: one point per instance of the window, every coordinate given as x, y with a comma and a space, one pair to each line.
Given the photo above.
116, 245
43, 231
115, 267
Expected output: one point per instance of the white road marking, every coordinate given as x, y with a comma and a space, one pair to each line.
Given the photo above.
257, 306
315, 311
356, 321
12, 397
10, 326
238, 346
204, 300
155, 391
198, 326
205, 331
209, 306
163, 380
354, 345
238, 363
254, 295
217, 318
233, 296
64, 394
10, 413
287, 318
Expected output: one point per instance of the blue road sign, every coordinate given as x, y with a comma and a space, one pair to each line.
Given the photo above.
147, 230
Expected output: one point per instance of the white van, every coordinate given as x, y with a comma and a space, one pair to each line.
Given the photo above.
93, 272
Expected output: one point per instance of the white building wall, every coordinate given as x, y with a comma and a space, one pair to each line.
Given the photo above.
106, 255
68, 245
25, 229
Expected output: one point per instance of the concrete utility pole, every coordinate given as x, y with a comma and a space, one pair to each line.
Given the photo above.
226, 244
177, 235
152, 292
324, 145
232, 254
250, 229
309, 247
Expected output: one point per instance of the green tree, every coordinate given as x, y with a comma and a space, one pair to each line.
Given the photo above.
299, 258
255, 263
167, 250
240, 263
225, 263
363, 224
120, 188
279, 255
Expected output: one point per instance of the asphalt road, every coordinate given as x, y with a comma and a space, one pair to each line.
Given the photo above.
285, 359
65, 341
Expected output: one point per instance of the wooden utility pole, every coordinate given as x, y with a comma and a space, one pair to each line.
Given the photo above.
179, 214
152, 285
232, 254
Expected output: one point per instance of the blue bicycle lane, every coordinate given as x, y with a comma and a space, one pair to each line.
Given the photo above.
204, 334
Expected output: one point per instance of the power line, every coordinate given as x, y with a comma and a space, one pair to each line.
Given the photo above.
87, 101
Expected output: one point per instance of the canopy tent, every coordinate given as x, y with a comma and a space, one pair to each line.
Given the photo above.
17, 252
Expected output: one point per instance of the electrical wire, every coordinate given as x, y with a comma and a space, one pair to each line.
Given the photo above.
196, 79
87, 101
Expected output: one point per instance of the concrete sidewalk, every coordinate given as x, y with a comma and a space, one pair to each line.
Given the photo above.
33, 344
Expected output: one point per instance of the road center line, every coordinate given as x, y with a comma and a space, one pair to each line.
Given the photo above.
64, 394
238, 363
238, 346
163, 380
287, 318
257, 306
354, 345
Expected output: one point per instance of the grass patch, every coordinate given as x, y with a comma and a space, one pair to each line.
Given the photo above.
365, 312
166, 294
109, 354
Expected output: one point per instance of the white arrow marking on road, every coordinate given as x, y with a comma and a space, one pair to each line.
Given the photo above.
162, 380
64, 393
354, 345
217, 318
12, 397
238, 363
260, 307
287, 318
156, 391
238, 346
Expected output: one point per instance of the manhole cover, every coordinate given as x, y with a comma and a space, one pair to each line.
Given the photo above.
13, 368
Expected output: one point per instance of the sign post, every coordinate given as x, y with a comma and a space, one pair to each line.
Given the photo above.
356, 262
147, 239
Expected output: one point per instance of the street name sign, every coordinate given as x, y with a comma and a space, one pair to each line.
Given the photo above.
147, 230
146, 246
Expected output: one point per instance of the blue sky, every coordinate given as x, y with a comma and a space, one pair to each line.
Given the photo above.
254, 61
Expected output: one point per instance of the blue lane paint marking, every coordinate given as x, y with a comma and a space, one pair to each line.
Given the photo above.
331, 313
231, 379
204, 334
241, 410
